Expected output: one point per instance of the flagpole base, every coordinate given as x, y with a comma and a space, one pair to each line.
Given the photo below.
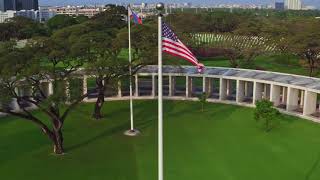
132, 132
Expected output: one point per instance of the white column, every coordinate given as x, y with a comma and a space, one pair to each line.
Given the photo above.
50, 88
170, 86
136, 93
204, 85
223, 89
188, 86
209, 86
292, 99
275, 94
14, 103
85, 84
310, 103
265, 91
119, 89
257, 92
284, 94
154, 86
228, 87
302, 98
67, 90
240, 91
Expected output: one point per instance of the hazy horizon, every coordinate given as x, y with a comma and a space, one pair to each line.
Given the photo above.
207, 2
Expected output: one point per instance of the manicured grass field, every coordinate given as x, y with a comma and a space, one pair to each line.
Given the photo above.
272, 62
223, 143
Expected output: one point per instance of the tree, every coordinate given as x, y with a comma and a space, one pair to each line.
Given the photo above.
102, 56
221, 22
143, 42
203, 97
61, 21
265, 112
242, 51
21, 28
102, 50
304, 41
186, 23
113, 17
42, 60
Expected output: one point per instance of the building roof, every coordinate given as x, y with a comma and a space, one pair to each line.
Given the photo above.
290, 79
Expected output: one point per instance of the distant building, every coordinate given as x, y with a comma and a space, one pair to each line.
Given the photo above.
293, 4
17, 5
77, 11
44, 13
41, 15
6, 15
279, 6
26, 4
31, 14
7, 5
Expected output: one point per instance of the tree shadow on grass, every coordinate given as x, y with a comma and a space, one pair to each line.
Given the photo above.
103, 134
11, 149
286, 118
313, 168
116, 114
6, 120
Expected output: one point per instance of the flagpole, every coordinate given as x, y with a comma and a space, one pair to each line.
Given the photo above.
160, 7
132, 131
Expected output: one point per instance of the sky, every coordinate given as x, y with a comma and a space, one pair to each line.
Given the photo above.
81, 2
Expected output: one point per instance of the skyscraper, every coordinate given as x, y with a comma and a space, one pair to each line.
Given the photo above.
279, 6
7, 5
293, 4
18, 5
26, 4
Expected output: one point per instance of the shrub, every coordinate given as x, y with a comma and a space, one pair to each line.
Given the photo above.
266, 113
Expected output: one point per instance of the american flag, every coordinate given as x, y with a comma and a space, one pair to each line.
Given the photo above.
173, 46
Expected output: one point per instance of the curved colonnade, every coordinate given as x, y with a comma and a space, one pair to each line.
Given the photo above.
291, 94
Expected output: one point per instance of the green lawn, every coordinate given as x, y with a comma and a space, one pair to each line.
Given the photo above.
268, 63
276, 63
223, 143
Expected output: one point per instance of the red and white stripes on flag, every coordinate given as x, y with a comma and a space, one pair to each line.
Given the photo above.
173, 46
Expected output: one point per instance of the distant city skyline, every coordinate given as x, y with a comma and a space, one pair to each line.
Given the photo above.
196, 2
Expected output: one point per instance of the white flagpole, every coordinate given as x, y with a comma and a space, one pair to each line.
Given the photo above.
132, 131
130, 69
160, 7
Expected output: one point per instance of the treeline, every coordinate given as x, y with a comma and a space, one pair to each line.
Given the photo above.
251, 12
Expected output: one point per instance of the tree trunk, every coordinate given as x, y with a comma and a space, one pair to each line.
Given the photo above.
58, 143
100, 99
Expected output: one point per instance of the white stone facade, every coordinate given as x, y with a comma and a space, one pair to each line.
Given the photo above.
291, 94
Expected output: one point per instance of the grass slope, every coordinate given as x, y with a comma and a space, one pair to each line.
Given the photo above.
222, 143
